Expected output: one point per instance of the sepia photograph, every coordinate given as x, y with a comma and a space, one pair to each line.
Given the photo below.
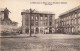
39, 25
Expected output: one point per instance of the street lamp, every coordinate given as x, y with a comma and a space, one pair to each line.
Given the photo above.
30, 19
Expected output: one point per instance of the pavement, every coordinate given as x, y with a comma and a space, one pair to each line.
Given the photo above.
15, 36
55, 36
41, 42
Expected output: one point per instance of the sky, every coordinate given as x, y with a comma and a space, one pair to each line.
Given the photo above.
56, 6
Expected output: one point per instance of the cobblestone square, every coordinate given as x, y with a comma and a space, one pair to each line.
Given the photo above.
42, 42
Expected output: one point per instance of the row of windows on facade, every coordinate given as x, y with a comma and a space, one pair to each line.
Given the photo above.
73, 29
71, 17
36, 18
39, 23
71, 22
41, 18
43, 15
36, 29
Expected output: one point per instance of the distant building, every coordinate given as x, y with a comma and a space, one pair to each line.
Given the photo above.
41, 22
6, 25
57, 24
70, 21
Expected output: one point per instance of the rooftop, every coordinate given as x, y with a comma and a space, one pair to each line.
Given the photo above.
78, 7
35, 11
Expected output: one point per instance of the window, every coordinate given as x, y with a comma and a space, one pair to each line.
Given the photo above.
50, 23
75, 15
62, 19
32, 17
69, 22
41, 30
75, 21
72, 22
45, 18
72, 15
41, 18
36, 18
79, 14
67, 18
62, 23
50, 18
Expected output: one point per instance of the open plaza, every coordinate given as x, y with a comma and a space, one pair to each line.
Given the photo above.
41, 42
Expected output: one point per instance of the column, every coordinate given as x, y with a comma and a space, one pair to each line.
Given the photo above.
48, 23
39, 24
29, 30
29, 23
34, 23
23, 31
70, 30
43, 30
23, 23
43, 23
34, 30
77, 22
39, 30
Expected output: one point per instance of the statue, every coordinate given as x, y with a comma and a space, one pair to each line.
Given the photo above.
6, 13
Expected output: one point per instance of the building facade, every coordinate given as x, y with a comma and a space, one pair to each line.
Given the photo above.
40, 22
70, 21
6, 25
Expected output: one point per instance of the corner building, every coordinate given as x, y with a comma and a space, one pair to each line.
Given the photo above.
70, 21
40, 22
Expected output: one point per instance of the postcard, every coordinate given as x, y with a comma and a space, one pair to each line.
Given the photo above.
39, 25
